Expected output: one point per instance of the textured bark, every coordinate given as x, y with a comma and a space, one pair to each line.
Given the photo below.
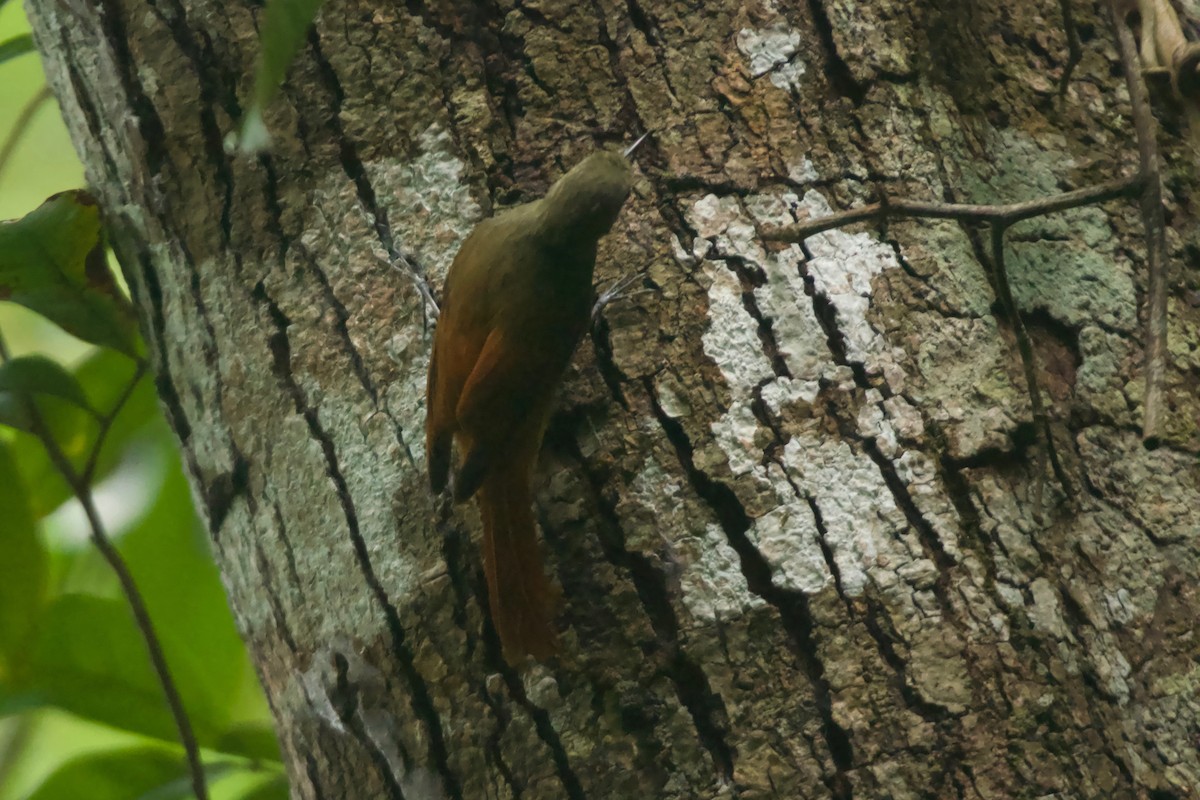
788, 494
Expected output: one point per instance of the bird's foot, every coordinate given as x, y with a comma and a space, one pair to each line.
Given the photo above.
615, 292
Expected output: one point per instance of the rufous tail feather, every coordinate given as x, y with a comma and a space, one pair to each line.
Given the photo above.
522, 599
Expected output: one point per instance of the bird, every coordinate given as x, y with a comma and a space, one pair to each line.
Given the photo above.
517, 299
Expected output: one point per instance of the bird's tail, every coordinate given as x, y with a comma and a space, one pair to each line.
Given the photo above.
522, 600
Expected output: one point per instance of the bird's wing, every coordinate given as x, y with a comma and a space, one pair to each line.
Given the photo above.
439, 417
503, 407
458, 338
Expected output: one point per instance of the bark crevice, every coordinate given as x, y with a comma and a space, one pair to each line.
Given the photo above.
706, 706
792, 606
345, 700
420, 698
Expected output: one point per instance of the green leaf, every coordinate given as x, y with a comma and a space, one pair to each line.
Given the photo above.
13, 703
91, 660
103, 376
52, 261
168, 551
54, 391
95, 664
285, 25
254, 740
38, 375
122, 774
275, 788
22, 568
181, 788
16, 46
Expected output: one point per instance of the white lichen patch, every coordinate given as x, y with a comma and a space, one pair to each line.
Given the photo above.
847, 487
860, 517
905, 418
713, 585
803, 171
731, 341
785, 392
782, 298
428, 200
767, 48
711, 216
736, 433
873, 424
709, 570
728, 231
788, 539
842, 267
772, 51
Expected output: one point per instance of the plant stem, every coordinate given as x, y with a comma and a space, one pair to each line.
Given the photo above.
83, 494
1004, 215
1152, 218
21, 124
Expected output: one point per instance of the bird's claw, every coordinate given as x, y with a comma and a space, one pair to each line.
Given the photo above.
614, 292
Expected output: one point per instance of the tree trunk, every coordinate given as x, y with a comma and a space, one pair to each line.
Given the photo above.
790, 494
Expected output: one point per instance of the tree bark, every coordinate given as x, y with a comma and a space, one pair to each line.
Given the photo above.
789, 492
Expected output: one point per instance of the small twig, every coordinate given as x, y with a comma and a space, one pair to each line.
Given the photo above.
1152, 218
21, 124
1146, 182
1004, 215
1074, 47
89, 470
999, 218
1029, 366
83, 494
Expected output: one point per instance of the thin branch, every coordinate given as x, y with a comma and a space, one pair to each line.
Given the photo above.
83, 494
1003, 215
1152, 218
89, 470
999, 218
1074, 48
21, 124
1029, 366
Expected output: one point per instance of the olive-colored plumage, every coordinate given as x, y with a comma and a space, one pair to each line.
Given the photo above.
517, 299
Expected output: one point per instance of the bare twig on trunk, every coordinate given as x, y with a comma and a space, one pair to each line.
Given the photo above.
1152, 217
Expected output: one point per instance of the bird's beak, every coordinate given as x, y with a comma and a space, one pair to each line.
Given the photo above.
633, 146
